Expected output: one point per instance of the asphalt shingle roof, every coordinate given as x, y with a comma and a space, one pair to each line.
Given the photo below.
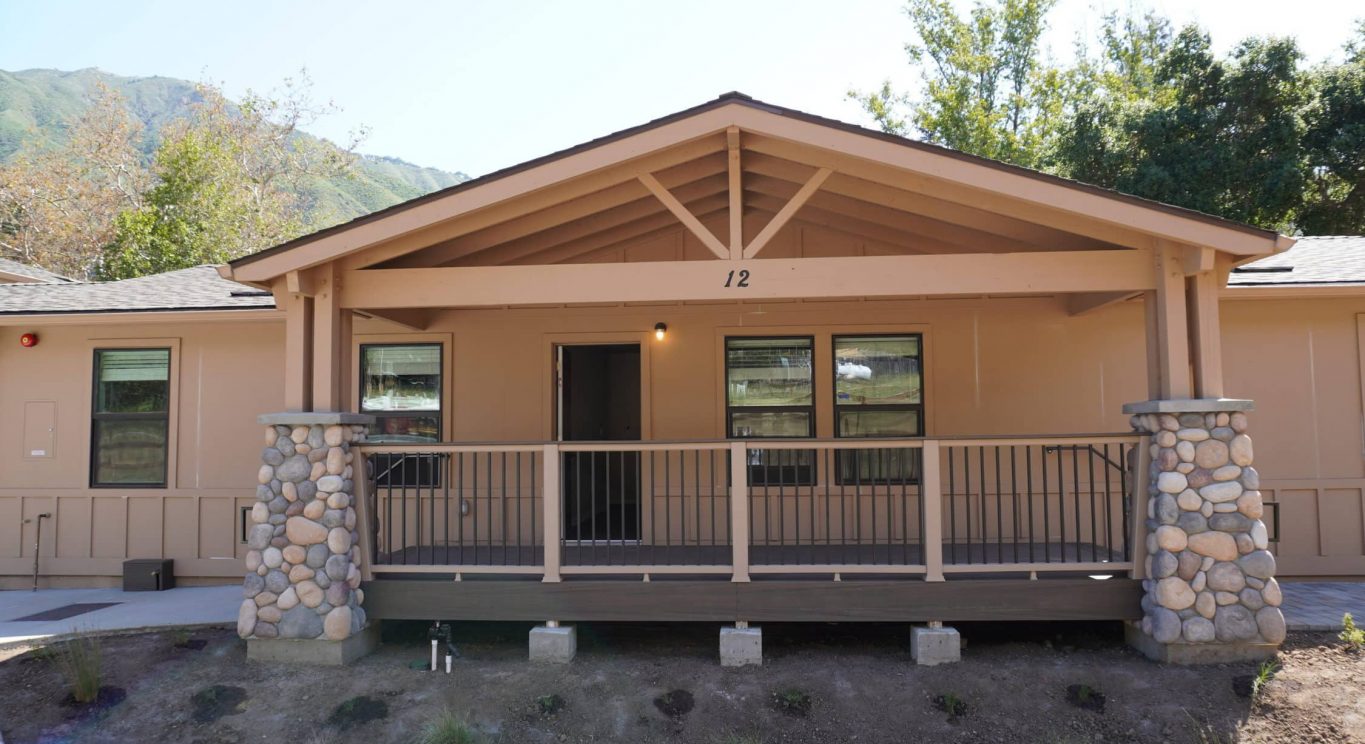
32, 273
1323, 259
198, 288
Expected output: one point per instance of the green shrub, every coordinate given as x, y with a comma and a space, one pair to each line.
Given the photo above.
79, 660
1264, 674
447, 728
1354, 637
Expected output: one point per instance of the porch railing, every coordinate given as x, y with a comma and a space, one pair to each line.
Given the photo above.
914, 507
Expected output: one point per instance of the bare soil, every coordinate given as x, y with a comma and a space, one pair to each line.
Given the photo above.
660, 683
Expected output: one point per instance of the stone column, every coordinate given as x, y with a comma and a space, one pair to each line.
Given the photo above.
1209, 580
303, 576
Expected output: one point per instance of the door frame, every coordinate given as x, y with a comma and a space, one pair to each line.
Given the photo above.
554, 342
550, 400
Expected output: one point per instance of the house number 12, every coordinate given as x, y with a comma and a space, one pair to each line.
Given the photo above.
743, 278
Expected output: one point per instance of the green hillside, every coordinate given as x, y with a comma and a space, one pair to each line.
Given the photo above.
35, 105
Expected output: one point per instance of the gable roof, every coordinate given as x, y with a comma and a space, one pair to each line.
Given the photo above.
748, 114
1323, 260
197, 288
14, 271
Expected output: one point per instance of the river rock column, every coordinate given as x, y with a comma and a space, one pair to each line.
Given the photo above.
303, 576
1209, 589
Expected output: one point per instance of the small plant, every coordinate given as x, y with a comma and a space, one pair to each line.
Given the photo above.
80, 660
447, 728
1085, 696
793, 702
675, 703
1264, 674
1353, 637
357, 711
549, 705
212, 703
951, 704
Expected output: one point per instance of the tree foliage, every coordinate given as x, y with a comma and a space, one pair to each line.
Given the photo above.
227, 183
1254, 136
58, 203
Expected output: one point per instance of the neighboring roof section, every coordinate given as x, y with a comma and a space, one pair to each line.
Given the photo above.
198, 288
13, 271
1323, 259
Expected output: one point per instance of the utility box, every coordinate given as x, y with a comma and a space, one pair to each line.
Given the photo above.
148, 574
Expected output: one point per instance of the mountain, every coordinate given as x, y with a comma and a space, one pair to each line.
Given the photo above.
38, 104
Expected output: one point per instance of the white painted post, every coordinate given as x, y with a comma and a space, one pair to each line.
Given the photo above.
931, 491
739, 511
551, 497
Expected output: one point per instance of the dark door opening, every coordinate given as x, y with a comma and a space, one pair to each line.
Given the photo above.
599, 401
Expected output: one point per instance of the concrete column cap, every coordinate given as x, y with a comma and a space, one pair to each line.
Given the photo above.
308, 418
1196, 405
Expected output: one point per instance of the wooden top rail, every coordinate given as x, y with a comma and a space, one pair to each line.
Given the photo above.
656, 445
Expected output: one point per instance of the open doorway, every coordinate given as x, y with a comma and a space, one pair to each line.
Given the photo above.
599, 401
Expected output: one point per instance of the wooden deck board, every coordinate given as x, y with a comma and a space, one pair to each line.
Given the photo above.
771, 600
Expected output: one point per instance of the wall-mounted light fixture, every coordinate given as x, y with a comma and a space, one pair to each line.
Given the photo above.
660, 330
29, 340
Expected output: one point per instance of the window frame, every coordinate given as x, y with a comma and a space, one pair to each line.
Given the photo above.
730, 409
838, 408
761, 473
426, 469
438, 414
97, 416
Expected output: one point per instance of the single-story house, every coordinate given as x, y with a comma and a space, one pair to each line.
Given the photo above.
765, 366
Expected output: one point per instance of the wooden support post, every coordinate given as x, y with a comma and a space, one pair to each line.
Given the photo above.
364, 523
331, 343
1172, 327
1137, 519
551, 499
1153, 346
736, 185
739, 511
1205, 335
931, 492
298, 348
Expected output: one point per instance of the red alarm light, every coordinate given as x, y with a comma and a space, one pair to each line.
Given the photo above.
28, 340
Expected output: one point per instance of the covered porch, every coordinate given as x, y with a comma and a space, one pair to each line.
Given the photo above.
743, 364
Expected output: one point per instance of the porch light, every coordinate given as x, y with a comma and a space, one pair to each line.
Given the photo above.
29, 340
660, 330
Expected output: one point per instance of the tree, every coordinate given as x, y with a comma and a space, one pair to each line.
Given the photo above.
987, 89
228, 180
1218, 136
1334, 199
57, 203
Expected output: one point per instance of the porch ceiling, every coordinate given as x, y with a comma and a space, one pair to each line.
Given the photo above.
719, 173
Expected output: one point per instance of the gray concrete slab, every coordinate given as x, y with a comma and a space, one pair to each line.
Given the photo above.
1319, 605
934, 646
741, 647
556, 645
198, 605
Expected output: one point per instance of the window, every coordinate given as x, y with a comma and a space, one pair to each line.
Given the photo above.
400, 385
130, 427
770, 394
878, 393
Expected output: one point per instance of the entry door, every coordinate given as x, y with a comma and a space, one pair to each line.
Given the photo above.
599, 401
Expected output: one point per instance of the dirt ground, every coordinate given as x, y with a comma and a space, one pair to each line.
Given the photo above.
658, 683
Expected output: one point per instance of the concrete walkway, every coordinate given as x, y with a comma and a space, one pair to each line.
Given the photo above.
1319, 605
203, 605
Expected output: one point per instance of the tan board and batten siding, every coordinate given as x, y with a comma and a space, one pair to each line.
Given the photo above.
993, 366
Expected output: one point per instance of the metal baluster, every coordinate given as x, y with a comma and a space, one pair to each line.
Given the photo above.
1076, 497
999, 522
1090, 476
952, 504
1047, 526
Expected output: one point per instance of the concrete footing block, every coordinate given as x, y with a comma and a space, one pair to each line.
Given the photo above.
1194, 654
741, 647
555, 645
931, 646
314, 651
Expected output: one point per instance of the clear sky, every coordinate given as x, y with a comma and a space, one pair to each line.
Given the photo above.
476, 86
